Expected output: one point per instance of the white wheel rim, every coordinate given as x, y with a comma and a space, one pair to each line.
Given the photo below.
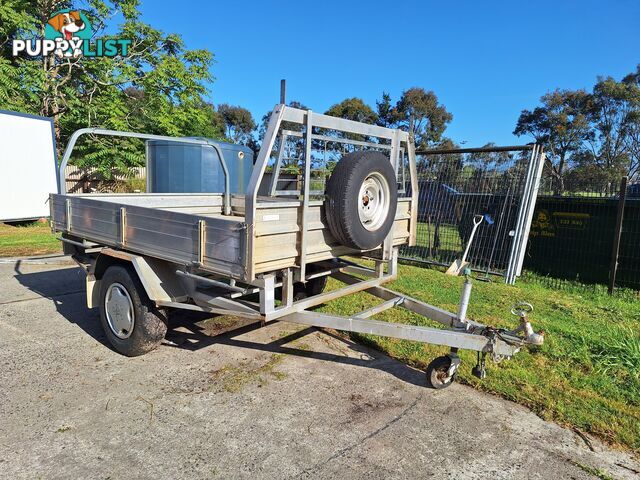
373, 201
441, 378
118, 308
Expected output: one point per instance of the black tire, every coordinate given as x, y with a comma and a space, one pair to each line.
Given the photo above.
343, 202
437, 371
315, 286
150, 322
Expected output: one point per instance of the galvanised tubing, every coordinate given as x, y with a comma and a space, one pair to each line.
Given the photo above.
532, 206
435, 336
251, 197
283, 113
305, 195
113, 133
510, 275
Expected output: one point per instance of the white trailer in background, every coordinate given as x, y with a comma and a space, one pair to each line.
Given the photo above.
29, 166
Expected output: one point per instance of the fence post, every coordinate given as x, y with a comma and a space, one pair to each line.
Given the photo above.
613, 270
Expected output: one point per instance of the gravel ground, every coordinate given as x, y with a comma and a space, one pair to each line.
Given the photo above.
273, 402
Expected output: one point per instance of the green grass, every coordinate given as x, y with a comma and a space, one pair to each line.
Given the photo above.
586, 375
136, 184
450, 247
448, 235
31, 239
595, 472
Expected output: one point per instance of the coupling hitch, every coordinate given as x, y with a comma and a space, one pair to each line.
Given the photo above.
522, 335
521, 310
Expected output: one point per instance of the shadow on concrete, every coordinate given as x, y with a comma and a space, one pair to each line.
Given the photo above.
191, 331
194, 330
65, 287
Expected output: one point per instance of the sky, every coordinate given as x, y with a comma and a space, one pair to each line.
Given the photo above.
485, 60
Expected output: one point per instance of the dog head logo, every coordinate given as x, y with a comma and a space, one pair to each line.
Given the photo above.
70, 26
67, 25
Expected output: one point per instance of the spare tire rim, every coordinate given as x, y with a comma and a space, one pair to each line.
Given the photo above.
118, 307
373, 201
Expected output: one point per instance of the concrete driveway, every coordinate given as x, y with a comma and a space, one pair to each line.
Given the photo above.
276, 402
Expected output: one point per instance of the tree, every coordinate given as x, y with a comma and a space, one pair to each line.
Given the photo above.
18, 81
238, 121
587, 176
444, 167
353, 109
632, 142
418, 112
484, 162
157, 88
634, 77
562, 124
592, 139
384, 109
616, 112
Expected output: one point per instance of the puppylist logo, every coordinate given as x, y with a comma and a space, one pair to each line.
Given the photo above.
68, 34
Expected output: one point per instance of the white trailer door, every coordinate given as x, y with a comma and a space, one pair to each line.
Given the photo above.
27, 166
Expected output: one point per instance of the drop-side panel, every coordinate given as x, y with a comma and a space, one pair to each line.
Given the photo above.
277, 230
58, 213
154, 232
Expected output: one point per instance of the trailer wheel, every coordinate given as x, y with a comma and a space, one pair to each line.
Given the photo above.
301, 290
132, 323
438, 375
362, 195
315, 286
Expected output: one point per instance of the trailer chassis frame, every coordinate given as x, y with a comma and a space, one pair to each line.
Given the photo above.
220, 296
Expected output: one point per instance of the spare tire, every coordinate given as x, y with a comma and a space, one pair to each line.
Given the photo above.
362, 196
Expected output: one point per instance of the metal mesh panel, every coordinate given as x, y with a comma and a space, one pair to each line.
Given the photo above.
574, 227
629, 255
455, 185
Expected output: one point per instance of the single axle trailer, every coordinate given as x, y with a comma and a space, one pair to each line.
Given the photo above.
266, 254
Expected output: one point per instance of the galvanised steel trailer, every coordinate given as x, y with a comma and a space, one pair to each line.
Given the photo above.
267, 257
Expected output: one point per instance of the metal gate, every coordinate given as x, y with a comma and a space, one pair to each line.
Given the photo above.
499, 183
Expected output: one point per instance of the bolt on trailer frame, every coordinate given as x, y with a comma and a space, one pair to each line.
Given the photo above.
214, 252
